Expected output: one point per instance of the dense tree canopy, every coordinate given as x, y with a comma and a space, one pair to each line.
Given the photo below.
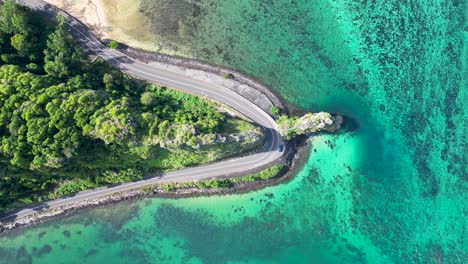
21, 35
62, 59
63, 117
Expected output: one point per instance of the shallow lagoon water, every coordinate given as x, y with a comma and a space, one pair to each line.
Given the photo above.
391, 191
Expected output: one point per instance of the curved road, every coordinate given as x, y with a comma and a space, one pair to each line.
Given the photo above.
151, 73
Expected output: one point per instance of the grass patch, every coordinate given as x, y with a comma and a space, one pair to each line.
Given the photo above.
269, 173
266, 174
235, 125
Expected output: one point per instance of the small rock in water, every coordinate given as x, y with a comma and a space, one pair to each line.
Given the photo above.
43, 250
66, 233
42, 234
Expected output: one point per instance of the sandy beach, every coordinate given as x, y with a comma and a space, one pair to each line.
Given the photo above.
90, 12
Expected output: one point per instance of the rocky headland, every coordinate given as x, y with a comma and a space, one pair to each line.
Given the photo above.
308, 124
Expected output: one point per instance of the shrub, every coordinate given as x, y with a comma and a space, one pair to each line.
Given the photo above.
119, 176
148, 189
70, 187
34, 67
275, 110
169, 187
228, 75
113, 44
147, 98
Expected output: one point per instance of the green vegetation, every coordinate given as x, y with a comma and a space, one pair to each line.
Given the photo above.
113, 44
288, 126
233, 125
266, 174
227, 75
275, 110
67, 124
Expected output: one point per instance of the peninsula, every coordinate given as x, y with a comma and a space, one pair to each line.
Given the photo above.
73, 119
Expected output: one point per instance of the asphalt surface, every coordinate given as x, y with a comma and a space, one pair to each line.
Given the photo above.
265, 156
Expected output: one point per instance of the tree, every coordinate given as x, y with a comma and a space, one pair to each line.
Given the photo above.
33, 67
113, 123
24, 29
14, 18
112, 81
61, 58
148, 98
18, 41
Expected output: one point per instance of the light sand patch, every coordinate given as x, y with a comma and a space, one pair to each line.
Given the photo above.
89, 12
111, 19
127, 24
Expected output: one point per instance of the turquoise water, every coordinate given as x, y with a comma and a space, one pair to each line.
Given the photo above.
392, 191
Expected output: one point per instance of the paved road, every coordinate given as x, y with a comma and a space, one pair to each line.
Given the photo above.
151, 73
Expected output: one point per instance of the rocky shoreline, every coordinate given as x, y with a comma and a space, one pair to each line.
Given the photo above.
297, 153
